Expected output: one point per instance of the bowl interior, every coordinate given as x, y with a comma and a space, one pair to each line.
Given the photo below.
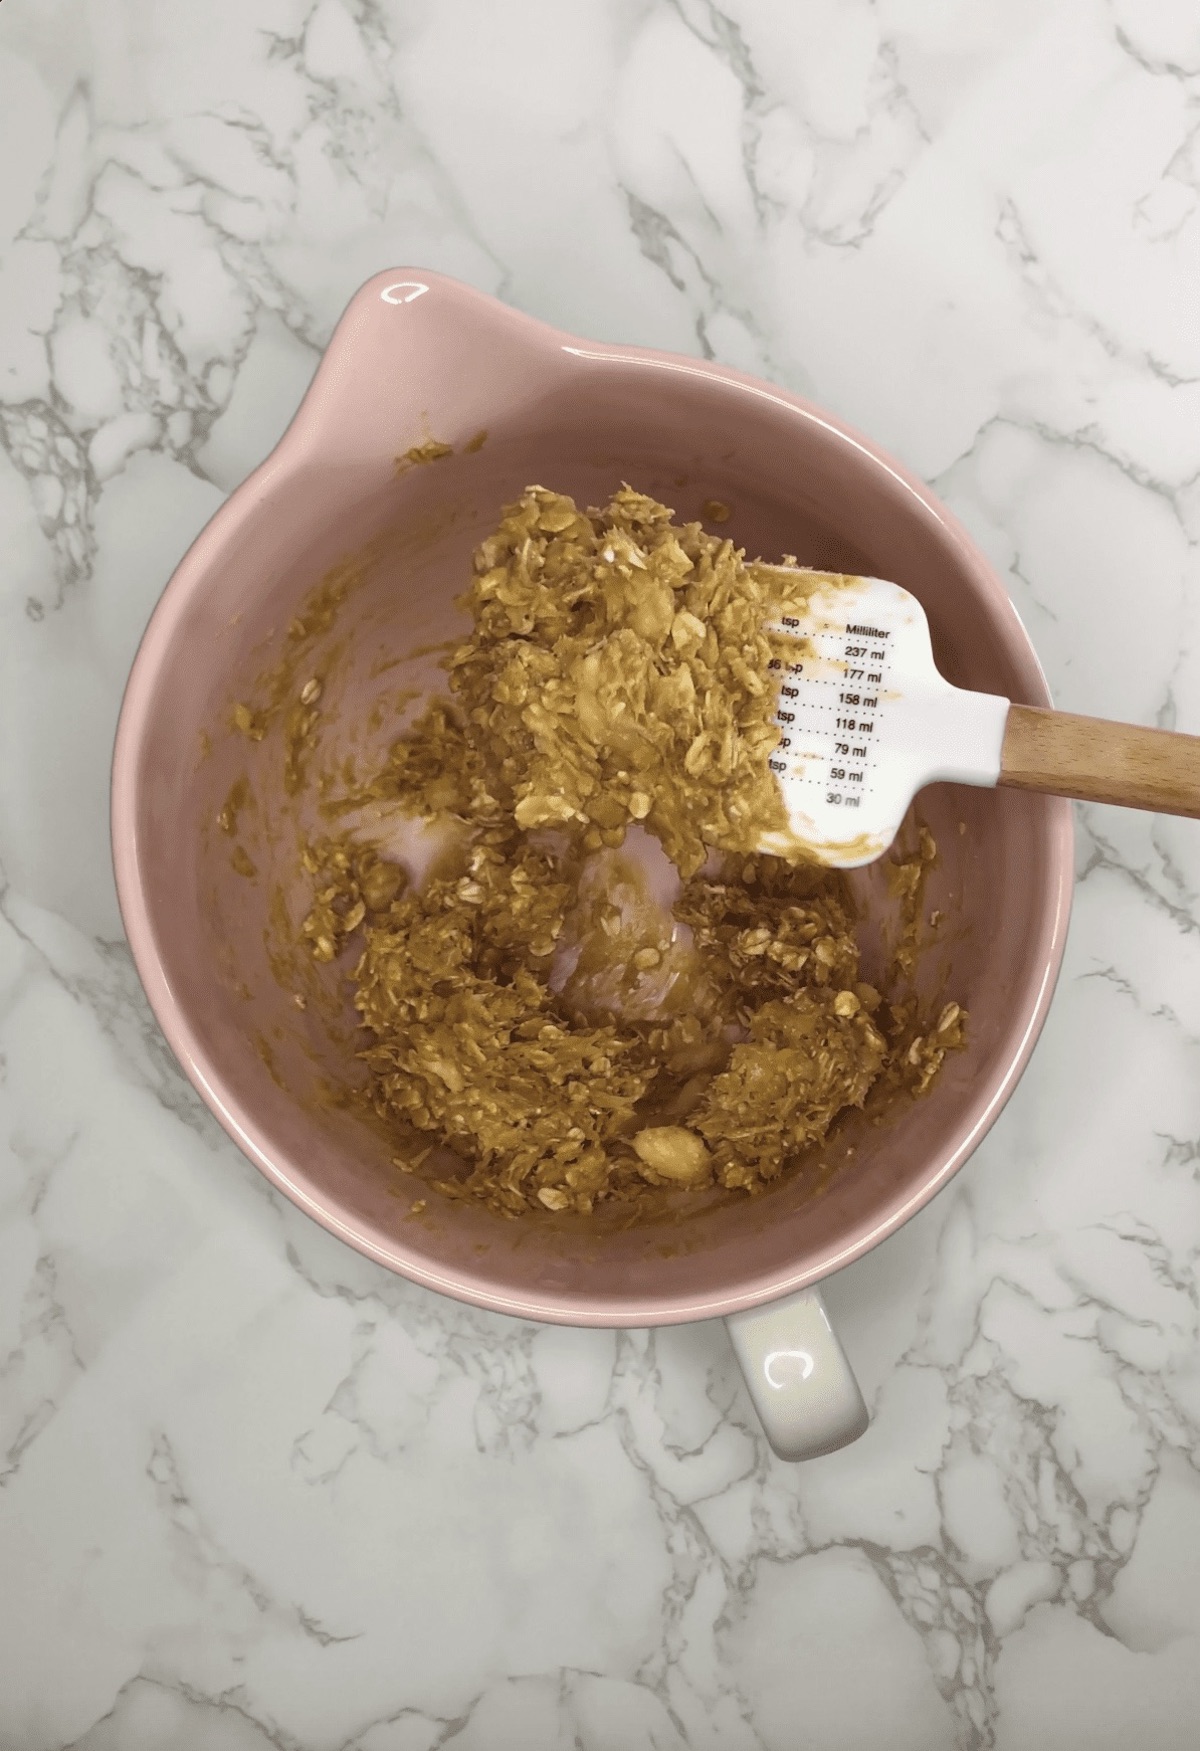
220, 941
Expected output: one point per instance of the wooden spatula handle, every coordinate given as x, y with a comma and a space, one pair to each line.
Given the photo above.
1101, 762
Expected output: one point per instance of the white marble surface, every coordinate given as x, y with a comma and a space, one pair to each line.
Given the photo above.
255, 1492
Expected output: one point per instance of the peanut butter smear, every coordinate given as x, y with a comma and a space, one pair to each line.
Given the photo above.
597, 990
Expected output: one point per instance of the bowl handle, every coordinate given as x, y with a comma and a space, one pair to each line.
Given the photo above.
799, 1379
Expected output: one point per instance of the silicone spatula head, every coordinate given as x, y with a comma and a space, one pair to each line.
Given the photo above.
865, 718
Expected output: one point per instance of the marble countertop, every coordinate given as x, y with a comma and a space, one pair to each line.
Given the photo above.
255, 1492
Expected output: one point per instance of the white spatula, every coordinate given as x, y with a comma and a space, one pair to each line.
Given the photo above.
867, 721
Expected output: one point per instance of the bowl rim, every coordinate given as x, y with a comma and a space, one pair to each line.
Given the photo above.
245, 503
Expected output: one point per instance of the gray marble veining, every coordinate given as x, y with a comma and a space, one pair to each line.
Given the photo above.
256, 1493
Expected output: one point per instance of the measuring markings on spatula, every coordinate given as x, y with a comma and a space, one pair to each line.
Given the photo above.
831, 697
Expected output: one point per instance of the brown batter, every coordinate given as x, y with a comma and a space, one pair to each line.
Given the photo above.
573, 1017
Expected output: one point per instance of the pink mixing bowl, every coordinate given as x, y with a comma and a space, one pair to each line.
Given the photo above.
418, 357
